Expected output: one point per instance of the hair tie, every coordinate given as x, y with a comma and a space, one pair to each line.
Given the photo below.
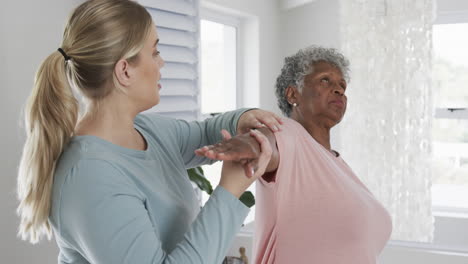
67, 58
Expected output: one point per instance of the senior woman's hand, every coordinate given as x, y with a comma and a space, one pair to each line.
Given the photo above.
258, 118
243, 148
233, 174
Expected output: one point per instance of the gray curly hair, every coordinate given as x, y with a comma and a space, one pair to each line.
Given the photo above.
297, 66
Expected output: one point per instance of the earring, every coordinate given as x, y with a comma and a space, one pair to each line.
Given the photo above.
294, 104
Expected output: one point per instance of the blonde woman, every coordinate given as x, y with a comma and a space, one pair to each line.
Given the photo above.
111, 185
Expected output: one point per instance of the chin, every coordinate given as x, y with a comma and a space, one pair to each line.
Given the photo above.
339, 120
154, 103
156, 100
336, 119
148, 105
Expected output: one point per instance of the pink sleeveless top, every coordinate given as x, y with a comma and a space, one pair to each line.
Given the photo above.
316, 210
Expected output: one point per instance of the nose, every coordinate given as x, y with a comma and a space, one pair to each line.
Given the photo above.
338, 90
162, 62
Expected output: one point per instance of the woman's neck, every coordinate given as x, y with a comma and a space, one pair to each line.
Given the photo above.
320, 133
112, 121
318, 130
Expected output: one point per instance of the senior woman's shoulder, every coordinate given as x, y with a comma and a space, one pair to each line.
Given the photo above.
291, 131
290, 124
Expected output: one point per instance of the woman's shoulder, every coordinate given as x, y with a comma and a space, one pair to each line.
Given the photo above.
289, 123
158, 126
84, 164
151, 120
83, 149
291, 127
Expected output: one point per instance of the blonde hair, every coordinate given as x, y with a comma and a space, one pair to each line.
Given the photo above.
98, 34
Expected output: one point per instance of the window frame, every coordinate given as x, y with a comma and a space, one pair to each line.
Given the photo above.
458, 113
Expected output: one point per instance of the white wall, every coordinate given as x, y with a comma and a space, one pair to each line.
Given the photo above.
30, 30
294, 3
313, 23
452, 11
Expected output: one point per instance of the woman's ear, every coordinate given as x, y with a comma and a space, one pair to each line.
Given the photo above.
292, 94
123, 73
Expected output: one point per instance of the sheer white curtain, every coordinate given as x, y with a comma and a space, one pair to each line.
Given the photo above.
385, 135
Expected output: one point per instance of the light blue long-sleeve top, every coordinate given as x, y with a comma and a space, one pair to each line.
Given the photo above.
114, 205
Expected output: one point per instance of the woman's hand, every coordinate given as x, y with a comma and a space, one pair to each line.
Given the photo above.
233, 177
258, 118
239, 148
244, 149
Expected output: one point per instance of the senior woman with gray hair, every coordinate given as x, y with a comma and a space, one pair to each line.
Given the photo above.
311, 207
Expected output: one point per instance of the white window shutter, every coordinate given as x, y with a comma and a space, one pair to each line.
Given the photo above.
178, 29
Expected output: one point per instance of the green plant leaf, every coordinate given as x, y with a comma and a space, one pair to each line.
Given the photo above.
196, 175
248, 199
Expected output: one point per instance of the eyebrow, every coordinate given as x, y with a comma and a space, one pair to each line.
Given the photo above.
341, 80
156, 43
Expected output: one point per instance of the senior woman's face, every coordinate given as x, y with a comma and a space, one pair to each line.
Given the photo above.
323, 96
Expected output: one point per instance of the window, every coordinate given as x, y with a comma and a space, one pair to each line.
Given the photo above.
450, 124
220, 78
218, 67
218, 89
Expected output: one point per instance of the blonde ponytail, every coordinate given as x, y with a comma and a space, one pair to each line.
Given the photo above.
97, 35
50, 118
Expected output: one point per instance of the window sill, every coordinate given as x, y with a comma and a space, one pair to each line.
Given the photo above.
450, 212
428, 248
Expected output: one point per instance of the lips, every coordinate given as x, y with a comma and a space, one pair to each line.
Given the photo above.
337, 102
159, 83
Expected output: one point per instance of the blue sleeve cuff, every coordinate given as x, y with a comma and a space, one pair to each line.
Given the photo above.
233, 202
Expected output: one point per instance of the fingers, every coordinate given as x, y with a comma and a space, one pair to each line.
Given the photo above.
220, 151
201, 151
259, 118
249, 170
279, 119
207, 151
226, 134
265, 146
272, 124
248, 121
209, 154
270, 120
265, 153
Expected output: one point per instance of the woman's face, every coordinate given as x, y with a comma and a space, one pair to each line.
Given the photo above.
323, 98
148, 74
